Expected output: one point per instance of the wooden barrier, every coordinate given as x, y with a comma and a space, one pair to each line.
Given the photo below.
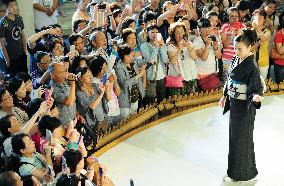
157, 113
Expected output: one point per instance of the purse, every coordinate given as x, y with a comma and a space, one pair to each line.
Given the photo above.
174, 81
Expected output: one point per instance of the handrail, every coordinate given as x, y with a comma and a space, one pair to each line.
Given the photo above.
168, 107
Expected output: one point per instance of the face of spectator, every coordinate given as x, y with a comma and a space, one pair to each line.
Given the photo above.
79, 44
54, 112
12, 8
214, 21
270, 8
132, 26
81, 26
88, 77
58, 50
59, 73
233, 16
178, 34
29, 85
29, 146
205, 32
153, 34
118, 19
101, 40
58, 31
131, 40
22, 91
154, 2
17, 178
128, 58
44, 62
82, 5
242, 51
243, 13
7, 100
15, 125
154, 21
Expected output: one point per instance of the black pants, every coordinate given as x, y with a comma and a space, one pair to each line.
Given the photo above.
18, 64
279, 73
160, 92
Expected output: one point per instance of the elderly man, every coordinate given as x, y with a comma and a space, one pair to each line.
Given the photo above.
63, 84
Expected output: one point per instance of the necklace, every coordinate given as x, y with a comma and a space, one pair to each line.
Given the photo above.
89, 90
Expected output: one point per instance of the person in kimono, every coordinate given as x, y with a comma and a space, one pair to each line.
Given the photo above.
242, 96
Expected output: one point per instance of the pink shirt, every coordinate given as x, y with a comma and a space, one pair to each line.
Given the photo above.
279, 38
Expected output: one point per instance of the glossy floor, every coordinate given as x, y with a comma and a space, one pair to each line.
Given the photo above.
191, 150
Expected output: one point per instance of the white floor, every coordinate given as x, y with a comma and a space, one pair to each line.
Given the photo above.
191, 150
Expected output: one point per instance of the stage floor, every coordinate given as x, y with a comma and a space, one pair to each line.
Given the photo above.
191, 150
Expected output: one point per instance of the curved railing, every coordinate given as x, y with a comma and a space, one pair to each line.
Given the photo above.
155, 114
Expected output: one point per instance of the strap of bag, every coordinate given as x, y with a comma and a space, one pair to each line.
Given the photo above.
177, 65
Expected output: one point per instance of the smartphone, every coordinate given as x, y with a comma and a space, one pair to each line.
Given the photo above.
48, 135
159, 37
255, 19
102, 6
49, 170
101, 171
64, 162
47, 92
72, 49
104, 79
80, 140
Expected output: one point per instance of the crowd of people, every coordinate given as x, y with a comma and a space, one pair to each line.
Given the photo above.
121, 56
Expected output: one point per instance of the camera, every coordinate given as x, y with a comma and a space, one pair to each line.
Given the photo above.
213, 38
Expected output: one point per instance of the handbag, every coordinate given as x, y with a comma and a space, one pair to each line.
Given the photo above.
209, 82
275, 54
174, 81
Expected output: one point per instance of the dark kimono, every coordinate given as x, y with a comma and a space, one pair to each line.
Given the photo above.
243, 82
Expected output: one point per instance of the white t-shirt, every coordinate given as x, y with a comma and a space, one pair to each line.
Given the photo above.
41, 18
205, 67
185, 65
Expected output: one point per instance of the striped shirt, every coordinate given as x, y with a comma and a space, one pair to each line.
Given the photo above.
228, 52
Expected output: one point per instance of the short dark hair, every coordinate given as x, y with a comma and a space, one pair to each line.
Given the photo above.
123, 50
126, 32
126, 22
74, 37
48, 122
68, 180
76, 24
52, 44
23, 76
96, 65
6, 178
151, 27
39, 55
149, 16
203, 23
5, 123
14, 85
73, 157
211, 14
243, 5
6, 2
18, 143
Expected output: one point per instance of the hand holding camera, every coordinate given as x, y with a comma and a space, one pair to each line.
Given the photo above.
71, 77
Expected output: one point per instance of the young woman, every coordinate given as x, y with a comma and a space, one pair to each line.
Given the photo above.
155, 52
242, 95
262, 46
181, 60
18, 89
279, 63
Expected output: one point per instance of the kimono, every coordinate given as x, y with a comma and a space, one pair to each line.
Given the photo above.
243, 82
